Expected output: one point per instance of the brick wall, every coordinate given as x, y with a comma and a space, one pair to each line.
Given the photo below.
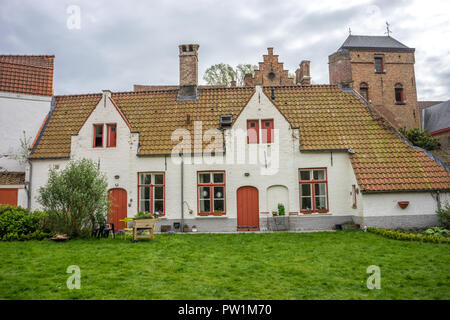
357, 66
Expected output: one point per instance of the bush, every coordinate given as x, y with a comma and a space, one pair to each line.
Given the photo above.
421, 139
444, 216
398, 235
76, 198
437, 231
17, 223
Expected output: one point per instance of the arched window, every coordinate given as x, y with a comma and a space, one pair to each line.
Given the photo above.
399, 96
364, 90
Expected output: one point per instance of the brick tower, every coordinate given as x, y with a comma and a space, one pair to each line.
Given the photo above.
381, 69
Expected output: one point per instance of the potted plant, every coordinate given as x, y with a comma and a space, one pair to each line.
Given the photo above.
281, 210
274, 213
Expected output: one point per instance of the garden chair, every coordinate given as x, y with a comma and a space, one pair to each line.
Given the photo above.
127, 230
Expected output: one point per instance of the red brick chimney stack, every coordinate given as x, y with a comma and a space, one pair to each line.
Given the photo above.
188, 71
302, 75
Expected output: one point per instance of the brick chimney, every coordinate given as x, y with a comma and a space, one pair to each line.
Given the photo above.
302, 75
248, 80
188, 72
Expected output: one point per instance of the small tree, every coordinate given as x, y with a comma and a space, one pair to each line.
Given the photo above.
76, 198
421, 139
223, 74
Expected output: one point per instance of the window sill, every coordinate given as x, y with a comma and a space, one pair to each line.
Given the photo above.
212, 217
380, 72
315, 214
400, 103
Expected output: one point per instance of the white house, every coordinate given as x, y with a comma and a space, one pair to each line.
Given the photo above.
26, 84
315, 149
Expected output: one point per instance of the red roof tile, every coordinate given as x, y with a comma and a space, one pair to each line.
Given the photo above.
27, 74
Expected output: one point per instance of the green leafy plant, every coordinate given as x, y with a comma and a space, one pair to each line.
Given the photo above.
281, 209
399, 235
444, 216
143, 215
437, 231
421, 139
17, 223
76, 198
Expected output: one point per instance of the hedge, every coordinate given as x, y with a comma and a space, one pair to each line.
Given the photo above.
398, 235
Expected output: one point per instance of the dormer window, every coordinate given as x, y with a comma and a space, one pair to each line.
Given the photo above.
364, 90
111, 135
379, 64
98, 135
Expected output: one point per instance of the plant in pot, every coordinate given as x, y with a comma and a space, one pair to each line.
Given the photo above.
281, 210
143, 215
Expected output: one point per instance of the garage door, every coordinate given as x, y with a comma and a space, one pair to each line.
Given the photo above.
8, 196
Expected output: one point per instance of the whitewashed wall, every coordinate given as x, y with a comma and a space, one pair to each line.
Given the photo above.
122, 161
19, 112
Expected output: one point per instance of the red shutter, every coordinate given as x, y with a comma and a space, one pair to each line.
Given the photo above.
252, 131
267, 131
112, 135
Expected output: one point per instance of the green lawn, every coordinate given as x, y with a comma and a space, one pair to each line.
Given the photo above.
325, 265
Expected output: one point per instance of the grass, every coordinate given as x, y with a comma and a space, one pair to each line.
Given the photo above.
321, 265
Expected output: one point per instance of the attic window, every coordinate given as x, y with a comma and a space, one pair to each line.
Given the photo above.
364, 90
111, 135
271, 76
98, 135
226, 120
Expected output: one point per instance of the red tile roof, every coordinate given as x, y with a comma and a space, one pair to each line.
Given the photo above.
27, 74
327, 119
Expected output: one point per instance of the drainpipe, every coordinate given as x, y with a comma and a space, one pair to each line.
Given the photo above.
29, 185
438, 200
182, 194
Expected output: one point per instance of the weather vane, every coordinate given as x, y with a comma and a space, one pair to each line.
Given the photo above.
388, 31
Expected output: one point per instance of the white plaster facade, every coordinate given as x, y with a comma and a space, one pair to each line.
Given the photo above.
20, 113
122, 165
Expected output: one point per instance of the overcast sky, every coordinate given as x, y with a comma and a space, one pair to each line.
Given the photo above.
130, 42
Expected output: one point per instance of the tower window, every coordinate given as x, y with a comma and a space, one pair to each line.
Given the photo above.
364, 90
399, 96
379, 64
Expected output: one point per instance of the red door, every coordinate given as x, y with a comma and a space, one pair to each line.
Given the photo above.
247, 209
8, 196
118, 208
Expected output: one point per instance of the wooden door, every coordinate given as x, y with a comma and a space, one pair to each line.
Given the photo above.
118, 208
8, 196
247, 209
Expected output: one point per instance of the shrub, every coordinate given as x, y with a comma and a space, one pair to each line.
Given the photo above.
437, 231
76, 198
398, 235
444, 216
17, 223
421, 139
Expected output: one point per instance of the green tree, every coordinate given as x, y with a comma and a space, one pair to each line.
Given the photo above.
223, 74
76, 197
421, 139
